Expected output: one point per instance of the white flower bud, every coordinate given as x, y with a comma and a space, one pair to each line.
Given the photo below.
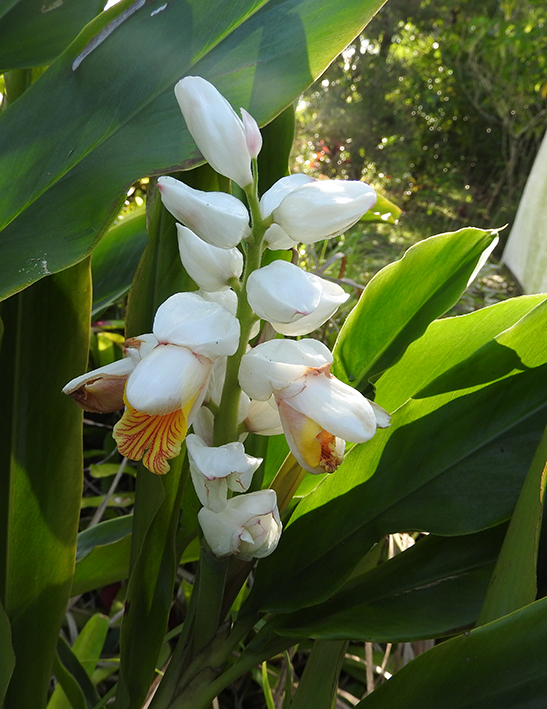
322, 209
218, 218
303, 304
216, 128
210, 267
252, 133
275, 237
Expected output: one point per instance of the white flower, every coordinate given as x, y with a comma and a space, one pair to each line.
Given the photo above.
318, 412
275, 237
249, 526
303, 304
218, 131
101, 390
263, 417
215, 470
210, 267
166, 388
322, 209
252, 133
216, 217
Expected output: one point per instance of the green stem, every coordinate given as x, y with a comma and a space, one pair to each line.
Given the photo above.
199, 692
226, 420
210, 592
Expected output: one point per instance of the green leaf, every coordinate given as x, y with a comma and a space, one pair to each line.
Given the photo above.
450, 464
514, 581
107, 470
105, 564
435, 588
7, 658
108, 532
45, 345
501, 664
33, 32
74, 668
87, 650
70, 686
116, 258
124, 499
434, 353
402, 300
319, 682
278, 140
123, 124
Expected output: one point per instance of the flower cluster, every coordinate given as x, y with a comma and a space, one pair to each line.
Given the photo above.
183, 373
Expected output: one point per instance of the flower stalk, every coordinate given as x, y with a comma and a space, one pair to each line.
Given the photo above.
226, 426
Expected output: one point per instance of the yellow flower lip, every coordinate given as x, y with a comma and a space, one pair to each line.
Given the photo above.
154, 438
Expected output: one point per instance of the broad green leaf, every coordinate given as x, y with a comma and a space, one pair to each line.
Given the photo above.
116, 258
33, 32
450, 464
123, 121
7, 658
107, 532
499, 665
87, 649
435, 588
383, 212
45, 344
434, 353
403, 299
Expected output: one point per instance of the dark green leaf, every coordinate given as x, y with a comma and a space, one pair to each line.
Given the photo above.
70, 686
498, 666
403, 299
87, 649
434, 588
317, 686
105, 564
514, 581
45, 345
450, 464
72, 664
278, 139
7, 658
110, 124
116, 258
107, 532
33, 32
